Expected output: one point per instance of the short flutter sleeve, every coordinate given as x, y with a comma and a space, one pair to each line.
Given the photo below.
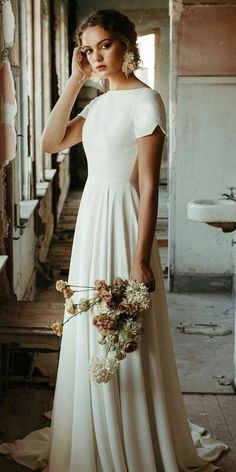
84, 113
149, 113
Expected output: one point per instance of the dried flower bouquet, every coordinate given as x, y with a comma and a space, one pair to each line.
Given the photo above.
118, 309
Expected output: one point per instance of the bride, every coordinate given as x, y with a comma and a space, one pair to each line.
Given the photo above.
137, 421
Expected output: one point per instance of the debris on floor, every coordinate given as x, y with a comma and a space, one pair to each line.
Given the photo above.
222, 380
209, 329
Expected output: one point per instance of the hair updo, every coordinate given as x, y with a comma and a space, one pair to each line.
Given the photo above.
117, 24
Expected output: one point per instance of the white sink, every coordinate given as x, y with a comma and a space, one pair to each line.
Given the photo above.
218, 212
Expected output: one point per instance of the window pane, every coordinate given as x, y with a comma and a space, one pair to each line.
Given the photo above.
147, 52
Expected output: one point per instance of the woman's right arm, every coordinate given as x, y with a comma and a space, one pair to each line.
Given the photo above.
60, 133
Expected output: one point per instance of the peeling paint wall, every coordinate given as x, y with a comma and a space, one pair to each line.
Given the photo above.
25, 237
7, 88
206, 41
8, 110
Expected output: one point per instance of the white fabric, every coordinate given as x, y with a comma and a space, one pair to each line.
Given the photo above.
136, 422
32, 451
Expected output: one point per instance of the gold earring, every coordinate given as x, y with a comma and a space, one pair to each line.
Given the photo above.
129, 65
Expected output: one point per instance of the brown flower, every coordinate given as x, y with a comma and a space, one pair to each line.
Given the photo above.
71, 307
61, 285
120, 356
125, 309
83, 304
118, 283
135, 333
104, 323
117, 289
101, 284
57, 328
130, 346
68, 292
105, 295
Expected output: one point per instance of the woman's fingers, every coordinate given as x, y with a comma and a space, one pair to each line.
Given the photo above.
80, 65
150, 286
147, 280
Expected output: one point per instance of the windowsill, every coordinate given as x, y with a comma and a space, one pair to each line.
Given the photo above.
50, 174
27, 208
3, 260
62, 155
41, 188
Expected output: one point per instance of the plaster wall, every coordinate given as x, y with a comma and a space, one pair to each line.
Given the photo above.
206, 41
202, 137
63, 180
205, 168
24, 273
86, 7
44, 220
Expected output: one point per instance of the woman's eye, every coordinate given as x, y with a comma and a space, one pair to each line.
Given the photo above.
106, 46
87, 51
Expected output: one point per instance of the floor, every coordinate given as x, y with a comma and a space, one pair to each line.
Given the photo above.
23, 410
205, 363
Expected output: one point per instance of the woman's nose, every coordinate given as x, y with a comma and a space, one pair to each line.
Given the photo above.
98, 56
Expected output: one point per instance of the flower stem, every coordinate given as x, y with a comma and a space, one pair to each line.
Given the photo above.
79, 313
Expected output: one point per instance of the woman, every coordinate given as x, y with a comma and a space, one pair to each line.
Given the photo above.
137, 421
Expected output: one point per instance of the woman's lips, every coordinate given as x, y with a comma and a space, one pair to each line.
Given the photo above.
100, 68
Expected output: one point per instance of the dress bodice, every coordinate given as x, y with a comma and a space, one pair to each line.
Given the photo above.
114, 122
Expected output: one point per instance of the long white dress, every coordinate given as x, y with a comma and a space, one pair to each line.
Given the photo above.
137, 421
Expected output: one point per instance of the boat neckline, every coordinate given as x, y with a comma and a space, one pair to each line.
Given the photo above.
130, 89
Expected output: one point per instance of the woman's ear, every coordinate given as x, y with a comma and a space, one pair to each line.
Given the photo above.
126, 45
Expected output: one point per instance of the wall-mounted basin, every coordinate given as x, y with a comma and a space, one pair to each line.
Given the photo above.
218, 212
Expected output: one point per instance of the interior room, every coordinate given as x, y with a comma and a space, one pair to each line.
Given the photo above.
188, 52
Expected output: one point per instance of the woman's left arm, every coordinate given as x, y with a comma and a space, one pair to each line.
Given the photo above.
149, 162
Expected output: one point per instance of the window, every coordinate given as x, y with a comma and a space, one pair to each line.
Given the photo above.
32, 83
31, 64
149, 53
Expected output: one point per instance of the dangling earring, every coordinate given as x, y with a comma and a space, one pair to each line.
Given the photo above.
129, 65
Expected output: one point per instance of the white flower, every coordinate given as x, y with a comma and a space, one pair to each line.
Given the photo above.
137, 294
102, 370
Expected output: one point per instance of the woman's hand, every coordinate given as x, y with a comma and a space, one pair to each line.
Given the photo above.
80, 65
142, 272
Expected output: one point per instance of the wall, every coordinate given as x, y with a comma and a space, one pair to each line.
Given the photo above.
202, 140
27, 219
8, 110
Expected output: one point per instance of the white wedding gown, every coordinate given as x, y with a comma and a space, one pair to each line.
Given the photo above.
137, 421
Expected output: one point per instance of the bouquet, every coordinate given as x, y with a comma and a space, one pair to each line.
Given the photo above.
117, 316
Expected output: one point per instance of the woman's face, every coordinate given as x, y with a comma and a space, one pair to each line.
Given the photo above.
104, 53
